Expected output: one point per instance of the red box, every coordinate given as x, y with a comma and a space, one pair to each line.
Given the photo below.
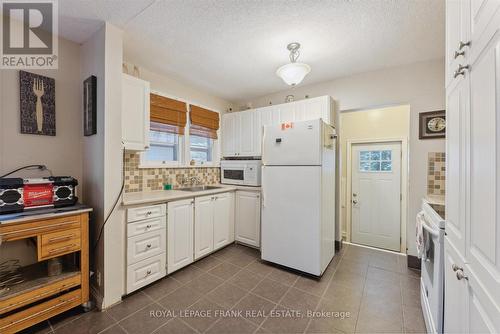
38, 194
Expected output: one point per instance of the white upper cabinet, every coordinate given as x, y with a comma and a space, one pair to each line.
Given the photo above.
242, 131
135, 113
230, 135
250, 142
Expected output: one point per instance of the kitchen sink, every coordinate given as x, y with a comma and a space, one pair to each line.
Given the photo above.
199, 188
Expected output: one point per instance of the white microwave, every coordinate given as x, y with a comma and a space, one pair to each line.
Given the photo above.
241, 172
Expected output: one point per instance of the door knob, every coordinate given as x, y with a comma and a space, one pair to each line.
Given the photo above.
461, 275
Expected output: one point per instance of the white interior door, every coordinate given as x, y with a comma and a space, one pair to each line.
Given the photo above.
376, 195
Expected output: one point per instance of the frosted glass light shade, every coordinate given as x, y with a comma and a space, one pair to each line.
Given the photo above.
293, 73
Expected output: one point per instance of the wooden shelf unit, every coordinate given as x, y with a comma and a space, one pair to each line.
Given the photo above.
41, 297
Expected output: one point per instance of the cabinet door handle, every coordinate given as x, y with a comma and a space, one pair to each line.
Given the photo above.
461, 275
57, 250
148, 226
63, 238
455, 267
462, 45
458, 54
461, 70
148, 246
148, 272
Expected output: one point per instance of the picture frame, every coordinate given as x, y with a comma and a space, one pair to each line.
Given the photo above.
432, 124
37, 101
90, 106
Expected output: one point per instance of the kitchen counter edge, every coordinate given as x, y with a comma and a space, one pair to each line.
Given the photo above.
162, 196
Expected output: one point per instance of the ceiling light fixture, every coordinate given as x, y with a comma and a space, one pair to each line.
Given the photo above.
293, 73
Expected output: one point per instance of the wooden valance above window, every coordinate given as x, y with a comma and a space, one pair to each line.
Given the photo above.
204, 122
168, 111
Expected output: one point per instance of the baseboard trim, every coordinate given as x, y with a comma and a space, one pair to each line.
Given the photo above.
413, 262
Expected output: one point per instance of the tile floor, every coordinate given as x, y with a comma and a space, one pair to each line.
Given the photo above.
232, 291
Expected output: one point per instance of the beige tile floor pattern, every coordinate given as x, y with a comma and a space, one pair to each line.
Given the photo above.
371, 291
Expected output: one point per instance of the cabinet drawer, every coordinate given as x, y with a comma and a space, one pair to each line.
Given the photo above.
147, 271
58, 243
145, 212
144, 226
146, 245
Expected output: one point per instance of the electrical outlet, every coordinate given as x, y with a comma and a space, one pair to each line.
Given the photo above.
98, 278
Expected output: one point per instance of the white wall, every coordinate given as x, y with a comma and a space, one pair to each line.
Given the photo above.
61, 153
421, 85
177, 89
102, 159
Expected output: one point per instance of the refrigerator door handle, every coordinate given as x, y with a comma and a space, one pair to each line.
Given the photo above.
263, 188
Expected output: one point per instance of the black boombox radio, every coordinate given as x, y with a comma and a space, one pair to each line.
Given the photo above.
17, 194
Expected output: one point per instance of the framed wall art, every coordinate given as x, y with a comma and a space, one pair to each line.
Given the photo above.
90, 106
37, 104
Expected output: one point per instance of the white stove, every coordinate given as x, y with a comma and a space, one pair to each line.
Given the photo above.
432, 276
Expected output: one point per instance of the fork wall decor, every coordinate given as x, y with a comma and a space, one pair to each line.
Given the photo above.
38, 104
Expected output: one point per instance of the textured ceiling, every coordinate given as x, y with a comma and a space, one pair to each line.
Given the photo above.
231, 48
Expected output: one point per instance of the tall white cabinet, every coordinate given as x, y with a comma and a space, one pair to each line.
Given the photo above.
242, 131
472, 243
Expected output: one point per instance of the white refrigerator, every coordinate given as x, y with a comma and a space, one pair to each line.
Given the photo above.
298, 189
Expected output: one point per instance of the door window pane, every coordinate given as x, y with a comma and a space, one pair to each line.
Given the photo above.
386, 166
374, 166
375, 161
386, 155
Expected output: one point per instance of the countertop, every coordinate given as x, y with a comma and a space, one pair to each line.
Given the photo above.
43, 214
162, 196
435, 199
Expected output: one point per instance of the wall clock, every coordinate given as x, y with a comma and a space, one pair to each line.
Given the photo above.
432, 124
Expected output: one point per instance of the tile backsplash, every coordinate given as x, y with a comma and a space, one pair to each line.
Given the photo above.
148, 179
436, 171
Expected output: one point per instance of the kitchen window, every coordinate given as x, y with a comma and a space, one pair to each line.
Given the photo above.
168, 119
164, 145
175, 141
201, 149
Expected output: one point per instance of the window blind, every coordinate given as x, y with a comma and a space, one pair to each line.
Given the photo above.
170, 112
204, 122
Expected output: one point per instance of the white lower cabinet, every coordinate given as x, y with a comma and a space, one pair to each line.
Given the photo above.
247, 217
223, 220
146, 245
145, 272
203, 226
180, 234
214, 223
